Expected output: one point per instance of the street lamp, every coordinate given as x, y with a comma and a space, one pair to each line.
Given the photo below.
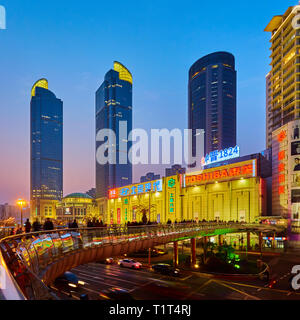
21, 203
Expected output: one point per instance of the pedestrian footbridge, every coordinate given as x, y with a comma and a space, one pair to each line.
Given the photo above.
29, 263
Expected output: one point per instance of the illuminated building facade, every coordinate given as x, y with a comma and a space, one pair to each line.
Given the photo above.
269, 113
114, 104
212, 101
232, 192
286, 177
46, 120
284, 78
79, 206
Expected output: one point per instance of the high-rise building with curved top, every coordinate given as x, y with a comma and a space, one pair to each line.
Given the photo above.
46, 151
113, 105
212, 101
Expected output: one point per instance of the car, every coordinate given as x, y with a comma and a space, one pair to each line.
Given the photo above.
115, 294
166, 269
109, 260
68, 282
129, 263
159, 252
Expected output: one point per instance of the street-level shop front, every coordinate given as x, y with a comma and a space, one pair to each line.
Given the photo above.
234, 192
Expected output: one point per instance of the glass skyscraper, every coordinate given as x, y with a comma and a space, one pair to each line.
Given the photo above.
46, 121
212, 101
114, 104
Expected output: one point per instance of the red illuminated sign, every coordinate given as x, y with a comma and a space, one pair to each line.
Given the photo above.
113, 193
281, 136
281, 155
281, 166
245, 170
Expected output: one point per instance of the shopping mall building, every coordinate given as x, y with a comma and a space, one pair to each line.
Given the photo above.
234, 190
286, 177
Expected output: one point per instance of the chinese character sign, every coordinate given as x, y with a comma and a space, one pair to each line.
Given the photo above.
242, 171
151, 186
222, 155
171, 195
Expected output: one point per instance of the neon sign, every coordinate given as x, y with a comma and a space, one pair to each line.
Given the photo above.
222, 155
281, 166
136, 189
171, 195
240, 171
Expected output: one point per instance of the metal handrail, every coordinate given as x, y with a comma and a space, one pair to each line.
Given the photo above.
36, 250
5, 231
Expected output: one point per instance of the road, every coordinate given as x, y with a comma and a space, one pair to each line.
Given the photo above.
147, 285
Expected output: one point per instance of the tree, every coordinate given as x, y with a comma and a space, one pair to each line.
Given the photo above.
144, 218
143, 210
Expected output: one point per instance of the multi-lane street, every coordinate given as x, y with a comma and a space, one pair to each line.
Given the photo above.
147, 285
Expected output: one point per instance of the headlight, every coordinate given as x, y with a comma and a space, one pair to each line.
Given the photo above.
81, 282
72, 285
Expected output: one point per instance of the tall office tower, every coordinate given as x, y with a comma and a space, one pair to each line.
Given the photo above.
46, 122
269, 114
114, 104
285, 59
212, 101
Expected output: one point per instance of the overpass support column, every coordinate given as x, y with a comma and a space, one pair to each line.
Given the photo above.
260, 236
205, 247
248, 241
175, 253
273, 242
193, 251
221, 239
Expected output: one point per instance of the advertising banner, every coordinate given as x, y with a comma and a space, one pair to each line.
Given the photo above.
294, 180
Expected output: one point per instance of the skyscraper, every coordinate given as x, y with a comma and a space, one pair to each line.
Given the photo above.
269, 113
284, 79
212, 101
114, 104
46, 125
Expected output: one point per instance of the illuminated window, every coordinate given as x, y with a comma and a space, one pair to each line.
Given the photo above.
42, 83
124, 73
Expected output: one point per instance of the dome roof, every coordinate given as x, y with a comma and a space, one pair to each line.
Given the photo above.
78, 195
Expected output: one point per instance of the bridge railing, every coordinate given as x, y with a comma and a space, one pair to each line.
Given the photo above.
6, 232
31, 253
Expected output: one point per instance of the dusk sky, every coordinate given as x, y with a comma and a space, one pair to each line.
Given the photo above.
74, 43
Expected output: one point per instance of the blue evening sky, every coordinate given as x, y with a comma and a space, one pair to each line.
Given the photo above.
74, 43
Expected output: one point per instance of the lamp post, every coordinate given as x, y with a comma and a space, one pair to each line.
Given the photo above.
20, 203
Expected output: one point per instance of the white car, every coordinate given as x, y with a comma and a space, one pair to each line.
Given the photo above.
129, 263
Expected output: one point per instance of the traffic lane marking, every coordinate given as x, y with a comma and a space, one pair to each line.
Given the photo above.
237, 290
108, 284
139, 273
198, 289
261, 288
87, 274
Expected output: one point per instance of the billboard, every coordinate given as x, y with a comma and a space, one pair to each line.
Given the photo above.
294, 179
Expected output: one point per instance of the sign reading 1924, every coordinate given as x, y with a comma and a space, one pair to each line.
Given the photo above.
222, 155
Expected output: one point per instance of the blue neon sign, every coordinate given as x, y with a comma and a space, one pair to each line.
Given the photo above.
222, 155
155, 186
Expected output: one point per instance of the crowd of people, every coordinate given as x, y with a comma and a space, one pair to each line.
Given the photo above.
36, 226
